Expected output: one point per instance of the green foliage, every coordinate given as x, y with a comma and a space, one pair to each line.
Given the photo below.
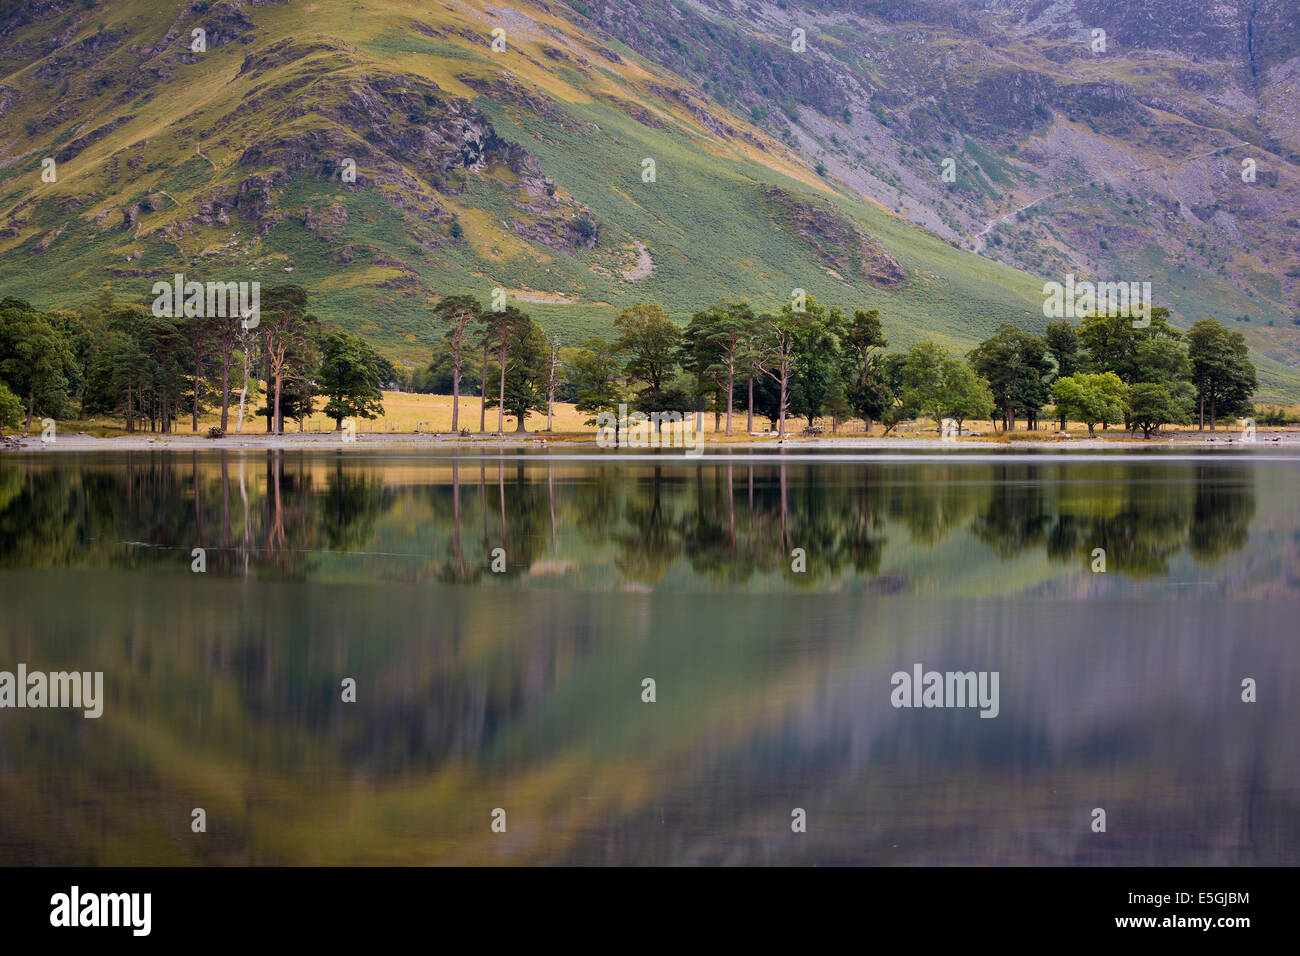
1016, 365
349, 378
527, 368
965, 394
1221, 372
1092, 397
594, 372
1150, 406
922, 374
865, 389
651, 343
288, 333
1063, 345
11, 408
817, 360
36, 360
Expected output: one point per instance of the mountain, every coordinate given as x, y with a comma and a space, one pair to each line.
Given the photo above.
526, 168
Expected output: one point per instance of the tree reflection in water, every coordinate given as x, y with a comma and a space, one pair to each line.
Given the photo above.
725, 524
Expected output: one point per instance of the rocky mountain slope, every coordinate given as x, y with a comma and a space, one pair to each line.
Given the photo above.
1119, 139
612, 153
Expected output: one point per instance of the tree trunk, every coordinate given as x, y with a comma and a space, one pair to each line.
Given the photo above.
455, 384
781, 431
1212, 404
550, 392
501, 395
225, 391
731, 389
266, 377
194, 419
279, 420
749, 411
482, 411
243, 394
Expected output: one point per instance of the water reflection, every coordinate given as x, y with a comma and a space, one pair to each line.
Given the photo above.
871, 526
521, 690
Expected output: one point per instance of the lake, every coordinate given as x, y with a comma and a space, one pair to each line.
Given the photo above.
518, 696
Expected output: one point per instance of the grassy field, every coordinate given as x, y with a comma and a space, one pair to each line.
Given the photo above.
408, 412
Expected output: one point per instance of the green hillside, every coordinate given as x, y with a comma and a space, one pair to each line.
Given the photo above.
475, 170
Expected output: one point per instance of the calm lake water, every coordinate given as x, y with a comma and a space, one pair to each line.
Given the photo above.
522, 690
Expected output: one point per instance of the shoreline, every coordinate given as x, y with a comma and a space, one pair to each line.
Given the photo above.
325, 441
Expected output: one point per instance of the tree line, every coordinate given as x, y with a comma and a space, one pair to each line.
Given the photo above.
805, 361
121, 360
811, 361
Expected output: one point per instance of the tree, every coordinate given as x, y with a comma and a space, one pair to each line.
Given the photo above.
1063, 345
149, 368
922, 379
554, 377
436, 377
248, 343
650, 341
965, 394
198, 332
285, 326
767, 399
817, 360
123, 376
1015, 365
459, 313
35, 360
298, 397
865, 390
84, 332
1221, 370
11, 408
725, 334
889, 372
349, 378
390, 377
1091, 397
696, 355
1115, 346
298, 401
502, 329
1150, 406
526, 362
227, 334
777, 349
594, 373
